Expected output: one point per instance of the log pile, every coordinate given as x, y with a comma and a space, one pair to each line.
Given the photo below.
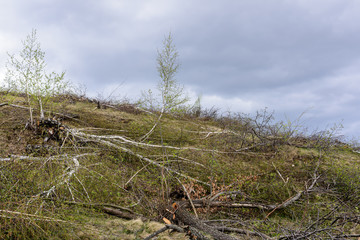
50, 129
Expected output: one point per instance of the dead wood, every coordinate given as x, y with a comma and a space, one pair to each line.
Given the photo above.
204, 203
143, 138
126, 108
115, 210
95, 205
14, 105
21, 215
99, 139
194, 234
201, 203
225, 193
167, 227
63, 116
124, 140
122, 214
241, 231
18, 157
180, 214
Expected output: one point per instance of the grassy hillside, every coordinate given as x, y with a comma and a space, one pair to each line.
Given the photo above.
68, 176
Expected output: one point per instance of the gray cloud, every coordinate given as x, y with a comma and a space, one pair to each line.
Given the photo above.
287, 55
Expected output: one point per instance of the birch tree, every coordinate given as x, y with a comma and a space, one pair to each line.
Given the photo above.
171, 93
26, 74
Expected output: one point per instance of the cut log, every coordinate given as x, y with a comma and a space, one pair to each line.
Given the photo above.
180, 214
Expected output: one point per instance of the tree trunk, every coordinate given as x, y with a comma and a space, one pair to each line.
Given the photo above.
42, 115
182, 215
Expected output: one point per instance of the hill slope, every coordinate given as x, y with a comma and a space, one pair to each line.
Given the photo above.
66, 177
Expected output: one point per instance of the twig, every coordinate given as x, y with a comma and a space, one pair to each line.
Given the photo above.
143, 138
168, 226
126, 150
136, 174
13, 157
66, 177
102, 129
201, 204
347, 236
224, 193
294, 198
77, 133
33, 216
55, 113
96, 205
280, 174
241, 231
189, 198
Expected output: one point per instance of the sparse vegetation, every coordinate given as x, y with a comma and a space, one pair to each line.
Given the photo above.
89, 173
62, 185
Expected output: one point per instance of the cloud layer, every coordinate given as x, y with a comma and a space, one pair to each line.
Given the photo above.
287, 55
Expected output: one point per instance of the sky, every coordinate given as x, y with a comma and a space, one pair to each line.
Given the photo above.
289, 56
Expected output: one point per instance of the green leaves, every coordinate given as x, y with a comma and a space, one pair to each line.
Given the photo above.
26, 73
171, 93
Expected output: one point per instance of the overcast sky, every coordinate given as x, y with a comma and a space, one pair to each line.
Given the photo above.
290, 56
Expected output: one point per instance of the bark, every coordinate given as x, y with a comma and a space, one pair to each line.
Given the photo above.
241, 231
201, 204
173, 227
182, 215
122, 214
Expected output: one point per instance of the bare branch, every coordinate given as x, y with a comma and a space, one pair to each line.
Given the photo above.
167, 227
99, 139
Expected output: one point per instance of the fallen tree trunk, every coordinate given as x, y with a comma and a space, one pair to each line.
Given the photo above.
122, 214
180, 214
